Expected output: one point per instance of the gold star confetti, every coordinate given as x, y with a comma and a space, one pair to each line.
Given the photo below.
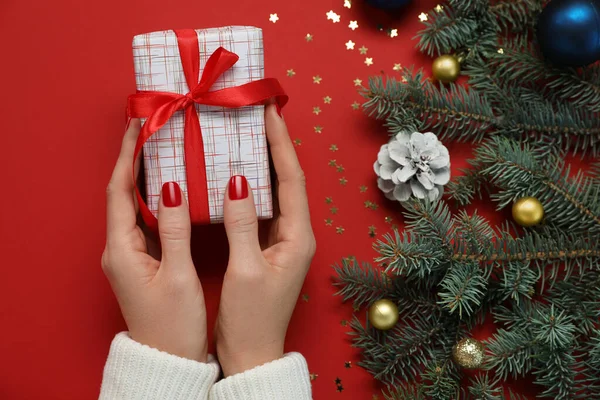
327, 100
363, 50
347, 4
355, 105
333, 147
273, 18
343, 181
338, 381
353, 25
344, 322
308, 37
317, 79
339, 230
350, 45
333, 16
340, 388
291, 72
333, 210
439, 8
328, 200
500, 51
328, 222
388, 220
369, 60
332, 163
394, 33
423, 17
362, 188
318, 129
397, 67
349, 258
340, 168
297, 142
404, 79
358, 82
372, 231
316, 110
348, 364
313, 377
370, 204
305, 298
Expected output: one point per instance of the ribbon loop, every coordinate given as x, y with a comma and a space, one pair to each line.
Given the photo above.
158, 107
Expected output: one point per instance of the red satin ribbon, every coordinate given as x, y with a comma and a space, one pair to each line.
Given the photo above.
158, 107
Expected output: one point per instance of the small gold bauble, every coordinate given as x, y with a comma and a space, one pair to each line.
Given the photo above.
468, 353
528, 211
383, 314
446, 68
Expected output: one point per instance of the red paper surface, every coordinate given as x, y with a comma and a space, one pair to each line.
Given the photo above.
66, 71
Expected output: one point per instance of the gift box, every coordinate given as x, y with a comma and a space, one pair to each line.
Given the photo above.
211, 83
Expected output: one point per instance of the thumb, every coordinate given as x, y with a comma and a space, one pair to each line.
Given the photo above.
241, 223
174, 227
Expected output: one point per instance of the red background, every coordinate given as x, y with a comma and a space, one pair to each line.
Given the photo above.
66, 71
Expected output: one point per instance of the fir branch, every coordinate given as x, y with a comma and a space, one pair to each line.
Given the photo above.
363, 283
558, 375
553, 329
484, 388
406, 392
510, 353
439, 381
516, 15
518, 281
463, 289
444, 32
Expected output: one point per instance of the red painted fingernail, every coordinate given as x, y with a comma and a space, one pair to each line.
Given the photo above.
171, 194
238, 187
278, 110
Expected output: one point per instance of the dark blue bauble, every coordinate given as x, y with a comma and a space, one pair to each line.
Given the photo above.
568, 32
388, 4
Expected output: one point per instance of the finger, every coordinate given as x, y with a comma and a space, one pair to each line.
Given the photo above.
121, 215
293, 201
174, 227
241, 223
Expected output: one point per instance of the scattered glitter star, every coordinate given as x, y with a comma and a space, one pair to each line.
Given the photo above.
328, 222
338, 381
394, 33
348, 364
404, 80
291, 72
305, 298
340, 168
343, 181
350, 45
332, 163
347, 4
397, 67
362, 188
313, 377
318, 129
340, 388
297, 142
317, 79
328, 200
357, 82
333, 16
339, 230
308, 37
363, 50
500, 51
355, 105
372, 231
423, 17
316, 110
388, 220
371, 205
353, 25
369, 60
439, 8
333, 147
344, 322
334, 210
327, 100
273, 18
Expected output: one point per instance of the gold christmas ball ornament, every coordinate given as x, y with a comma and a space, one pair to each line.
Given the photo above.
468, 353
446, 68
528, 211
383, 314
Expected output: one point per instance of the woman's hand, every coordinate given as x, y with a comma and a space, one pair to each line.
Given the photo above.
160, 297
264, 277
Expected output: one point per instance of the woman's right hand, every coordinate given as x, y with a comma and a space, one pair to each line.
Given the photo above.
264, 277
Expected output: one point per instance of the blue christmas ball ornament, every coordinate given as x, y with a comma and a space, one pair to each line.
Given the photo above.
568, 32
388, 4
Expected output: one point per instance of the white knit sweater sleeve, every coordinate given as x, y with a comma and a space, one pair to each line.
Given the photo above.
283, 379
134, 372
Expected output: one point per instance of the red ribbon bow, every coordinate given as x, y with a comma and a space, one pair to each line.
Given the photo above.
158, 107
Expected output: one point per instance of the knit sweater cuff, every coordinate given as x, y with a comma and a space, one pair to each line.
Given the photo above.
283, 379
135, 371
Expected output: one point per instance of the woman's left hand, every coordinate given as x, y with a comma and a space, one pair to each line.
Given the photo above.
161, 298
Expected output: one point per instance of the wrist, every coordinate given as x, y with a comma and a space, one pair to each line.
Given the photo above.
233, 363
